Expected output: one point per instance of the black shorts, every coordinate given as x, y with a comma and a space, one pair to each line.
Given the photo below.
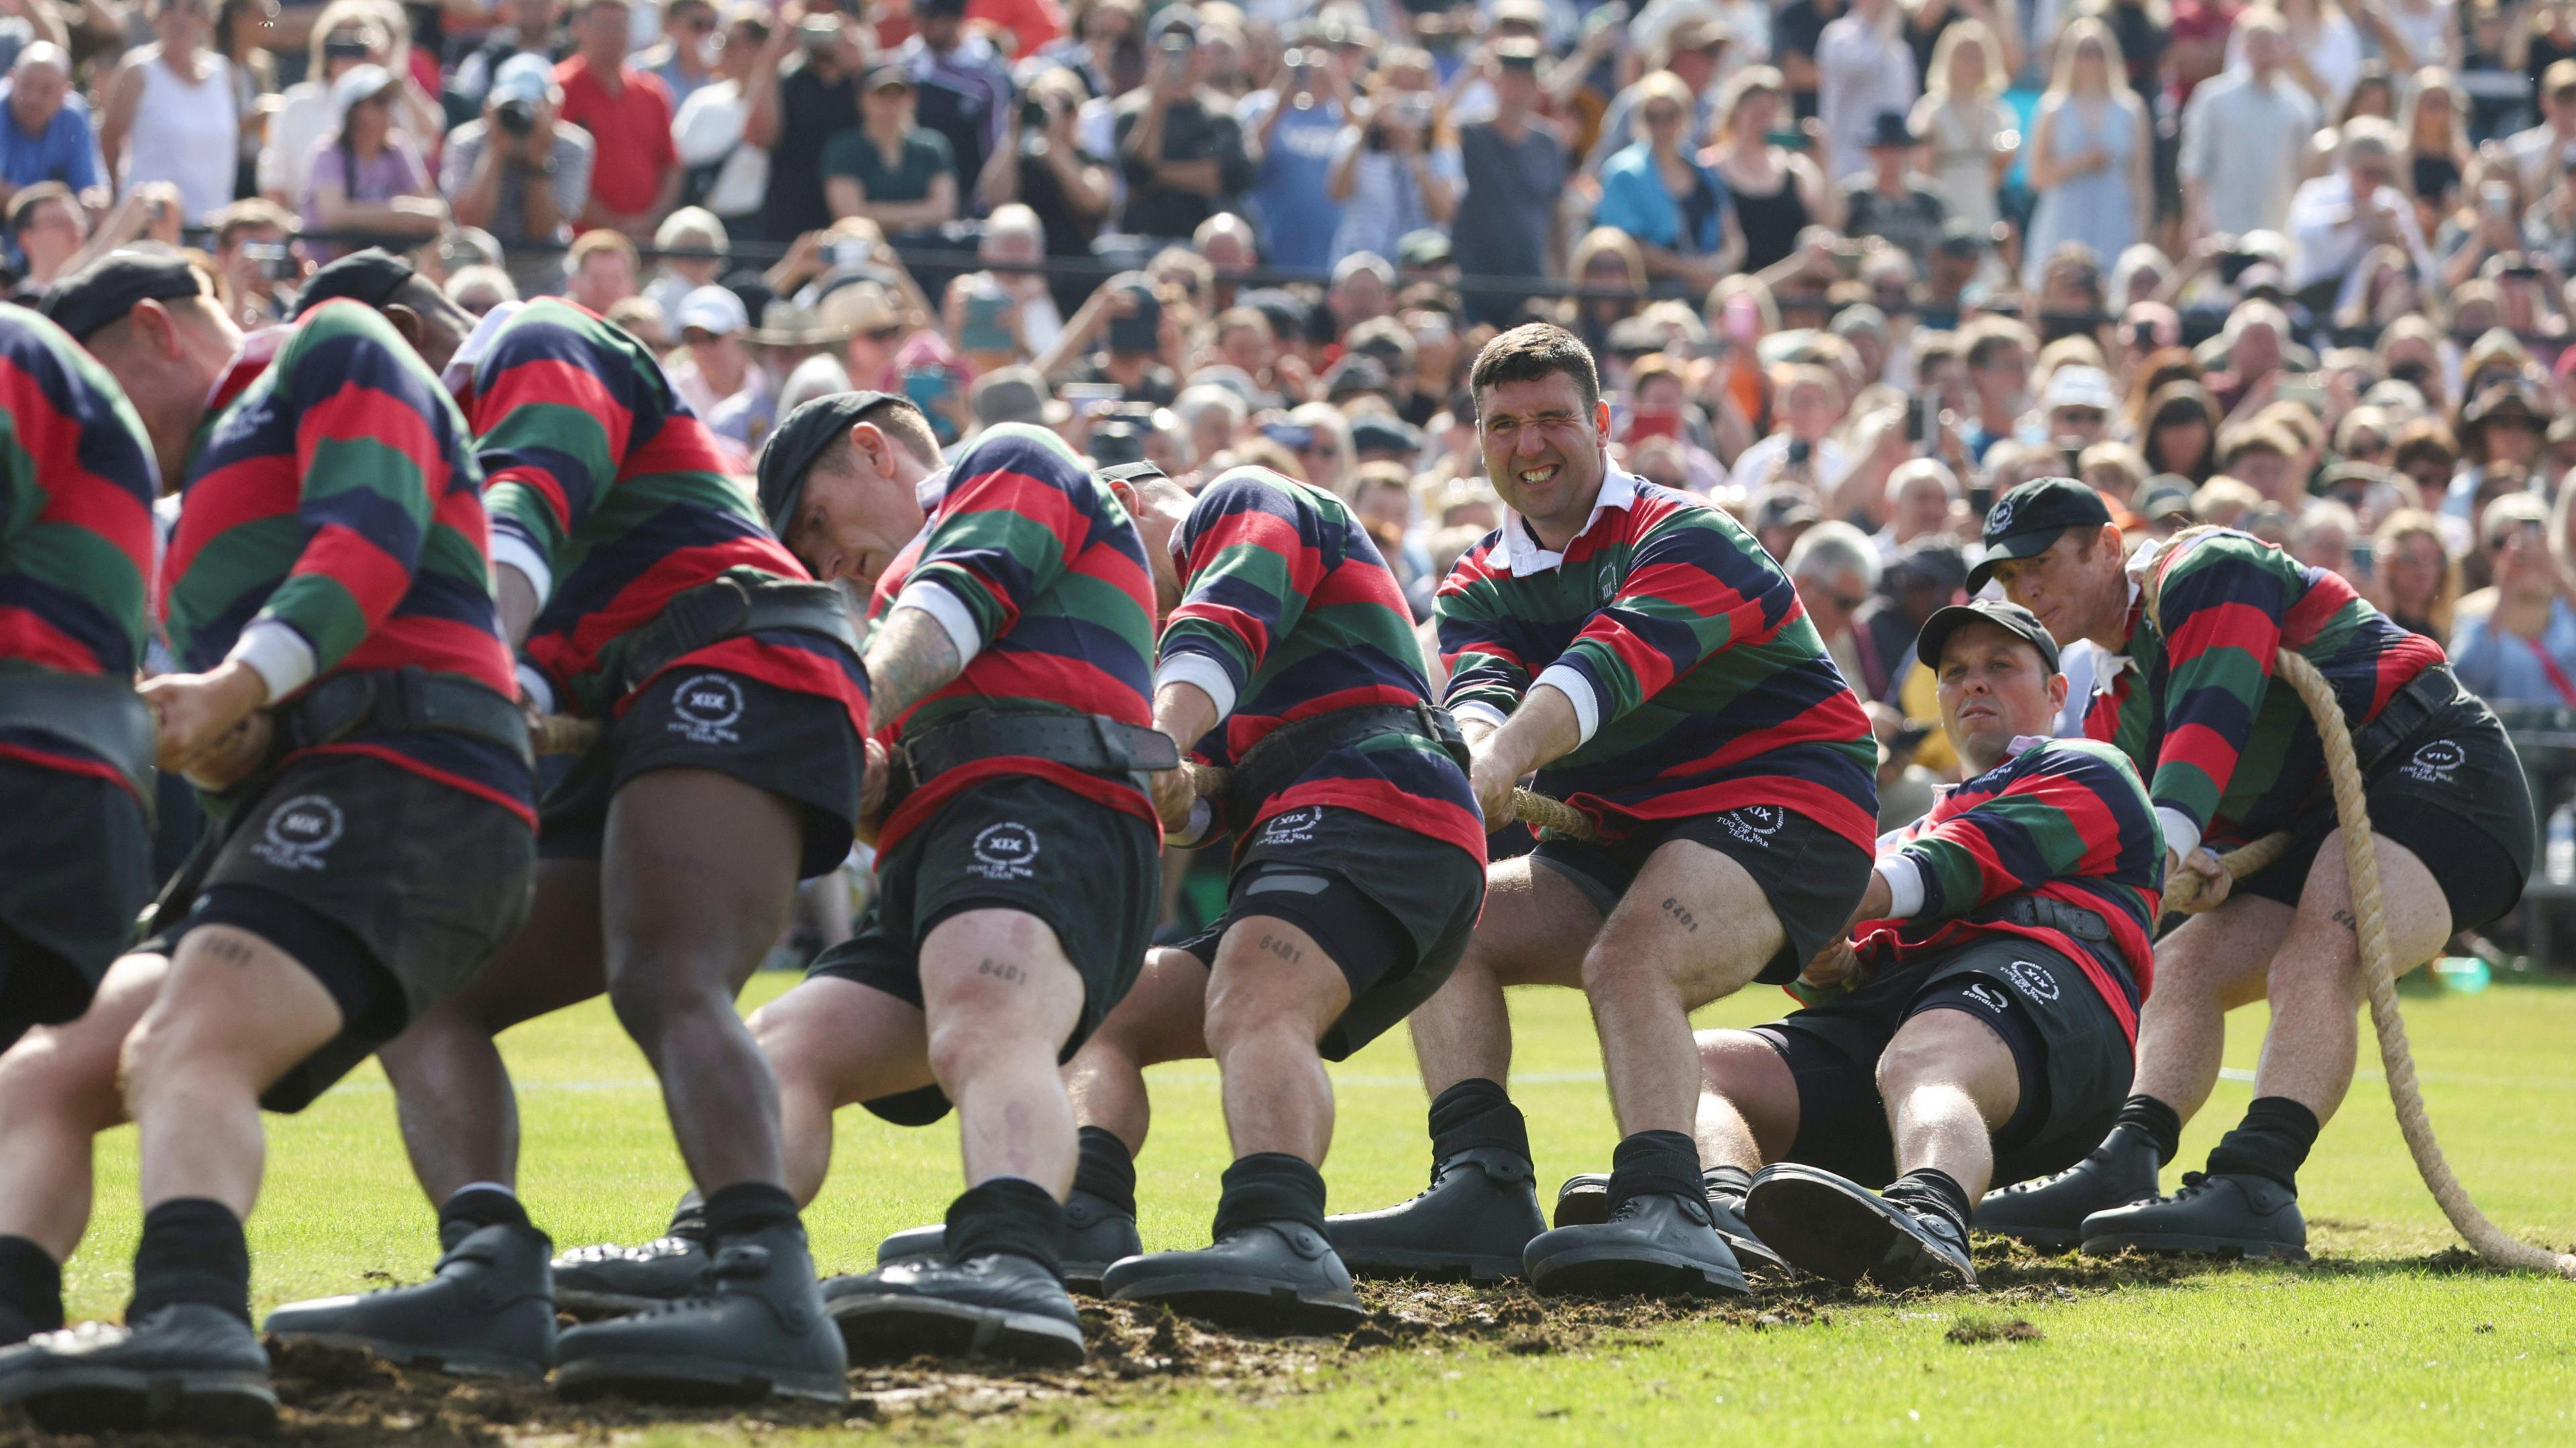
1091, 872
392, 889
75, 870
2068, 1049
797, 746
2453, 793
1812, 877
1392, 908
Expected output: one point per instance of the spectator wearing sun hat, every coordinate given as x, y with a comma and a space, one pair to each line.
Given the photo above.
366, 176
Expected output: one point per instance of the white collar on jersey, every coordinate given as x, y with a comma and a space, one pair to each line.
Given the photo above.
460, 368
1522, 554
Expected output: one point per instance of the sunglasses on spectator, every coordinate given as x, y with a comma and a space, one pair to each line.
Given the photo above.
885, 334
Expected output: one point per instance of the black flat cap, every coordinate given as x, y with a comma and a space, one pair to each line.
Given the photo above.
371, 276
1372, 433
2024, 522
801, 438
2012, 618
107, 289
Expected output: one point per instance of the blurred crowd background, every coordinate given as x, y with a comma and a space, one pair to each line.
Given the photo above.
1852, 267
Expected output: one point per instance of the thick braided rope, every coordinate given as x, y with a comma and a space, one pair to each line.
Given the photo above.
1527, 807
2361, 867
563, 734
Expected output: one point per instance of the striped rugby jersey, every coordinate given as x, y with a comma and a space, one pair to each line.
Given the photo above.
611, 496
1699, 683
77, 482
332, 494
2064, 819
1038, 577
2231, 754
1289, 612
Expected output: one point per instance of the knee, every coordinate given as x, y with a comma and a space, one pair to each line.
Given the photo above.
43, 1078
1238, 1018
650, 1004
1615, 965
1731, 1062
968, 1044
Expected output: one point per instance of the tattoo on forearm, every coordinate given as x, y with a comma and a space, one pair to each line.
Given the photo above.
1681, 916
909, 660
1002, 970
1285, 950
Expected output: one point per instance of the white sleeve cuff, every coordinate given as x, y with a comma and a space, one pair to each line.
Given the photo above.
1904, 886
1191, 667
510, 550
954, 618
1566, 680
1202, 815
1480, 710
533, 686
2181, 835
278, 654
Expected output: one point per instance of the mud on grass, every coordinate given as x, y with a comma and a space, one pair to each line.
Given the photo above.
342, 1398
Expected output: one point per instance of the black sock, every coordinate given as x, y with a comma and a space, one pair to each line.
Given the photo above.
2272, 1141
1931, 1190
1103, 1167
747, 1207
2161, 1123
31, 1289
478, 1207
689, 1218
1270, 1186
1007, 1214
192, 1251
1729, 1182
1652, 1162
1476, 1113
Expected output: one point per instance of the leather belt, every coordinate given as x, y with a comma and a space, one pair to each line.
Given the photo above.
2415, 704
2043, 913
729, 607
1091, 743
1287, 752
102, 715
408, 700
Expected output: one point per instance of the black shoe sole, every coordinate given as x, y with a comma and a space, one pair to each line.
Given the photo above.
1430, 1266
2191, 1244
690, 1382
464, 1363
100, 1399
1250, 1306
1837, 1231
881, 1329
1610, 1270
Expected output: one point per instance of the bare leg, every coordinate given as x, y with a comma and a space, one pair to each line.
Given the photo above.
1748, 1104
832, 1043
696, 877
2211, 965
1002, 999
1534, 931
1692, 928
1158, 1020
1949, 1083
460, 1118
2315, 977
58, 1090
1271, 997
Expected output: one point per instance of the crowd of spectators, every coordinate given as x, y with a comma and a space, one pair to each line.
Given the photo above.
1852, 267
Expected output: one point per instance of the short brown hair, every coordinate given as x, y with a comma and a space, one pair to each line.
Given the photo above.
591, 243
899, 419
1529, 353
233, 220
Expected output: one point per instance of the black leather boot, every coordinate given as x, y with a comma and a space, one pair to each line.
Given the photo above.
489, 1309
185, 1366
1584, 1201
609, 1280
2233, 1214
2049, 1213
1479, 1213
755, 1329
1096, 1233
1262, 1276
1660, 1244
998, 1305
1842, 1231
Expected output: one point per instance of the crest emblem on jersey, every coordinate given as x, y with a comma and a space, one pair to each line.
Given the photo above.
298, 831
1755, 824
2033, 980
705, 707
2435, 762
1006, 851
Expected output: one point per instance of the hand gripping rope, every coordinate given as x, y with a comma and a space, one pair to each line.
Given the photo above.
2361, 863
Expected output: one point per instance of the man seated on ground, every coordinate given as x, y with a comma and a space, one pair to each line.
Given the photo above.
1640, 651
1980, 1024
2194, 626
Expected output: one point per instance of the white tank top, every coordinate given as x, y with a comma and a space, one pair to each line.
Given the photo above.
187, 135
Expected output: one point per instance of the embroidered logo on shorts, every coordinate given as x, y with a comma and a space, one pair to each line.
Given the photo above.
2434, 763
1987, 996
2033, 980
298, 831
1292, 827
1005, 852
705, 708
1755, 824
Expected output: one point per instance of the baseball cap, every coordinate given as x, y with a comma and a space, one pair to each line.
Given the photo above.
2080, 386
1372, 433
713, 309
887, 77
799, 440
523, 77
2024, 522
1356, 373
2164, 496
1961, 237
1515, 53
2010, 617
359, 83
1009, 394
371, 276
1424, 247
858, 307
1889, 128
107, 289
1782, 507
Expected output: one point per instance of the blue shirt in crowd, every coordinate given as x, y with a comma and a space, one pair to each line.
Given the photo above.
1635, 200
2503, 667
64, 151
1291, 210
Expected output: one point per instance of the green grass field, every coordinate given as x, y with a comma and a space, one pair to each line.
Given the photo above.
2384, 1340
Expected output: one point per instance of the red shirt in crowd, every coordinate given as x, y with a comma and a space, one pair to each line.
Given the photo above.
631, 126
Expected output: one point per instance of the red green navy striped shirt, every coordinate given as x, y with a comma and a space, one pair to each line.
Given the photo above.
77, 483
1289, 612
